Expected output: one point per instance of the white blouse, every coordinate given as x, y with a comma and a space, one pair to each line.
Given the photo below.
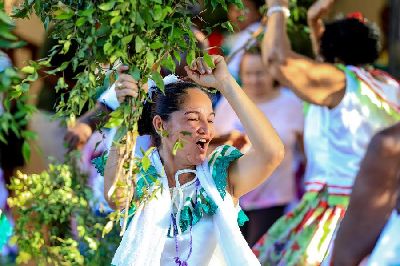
336, 139
203, 235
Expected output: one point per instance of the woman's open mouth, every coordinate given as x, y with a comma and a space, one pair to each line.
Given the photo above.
202, 144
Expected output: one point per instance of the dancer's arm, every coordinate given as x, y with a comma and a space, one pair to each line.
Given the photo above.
78, 135
254, 167
126, 86
314, 18
315, 82
374, 196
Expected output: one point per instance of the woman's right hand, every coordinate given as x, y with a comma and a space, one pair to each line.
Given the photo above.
209, 77
121, 194
125, 85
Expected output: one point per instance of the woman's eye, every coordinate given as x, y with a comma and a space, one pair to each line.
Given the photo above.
210, 121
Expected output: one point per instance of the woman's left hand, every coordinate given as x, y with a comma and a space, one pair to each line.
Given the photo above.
205, 76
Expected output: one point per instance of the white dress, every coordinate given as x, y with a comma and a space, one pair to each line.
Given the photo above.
203, 234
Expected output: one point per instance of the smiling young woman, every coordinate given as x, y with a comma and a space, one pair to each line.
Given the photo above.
193, 220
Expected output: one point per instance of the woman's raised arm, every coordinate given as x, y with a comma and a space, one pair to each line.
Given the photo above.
267, 149
313, 81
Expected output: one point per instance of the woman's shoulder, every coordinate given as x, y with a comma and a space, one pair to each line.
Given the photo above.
219, 162
223, 153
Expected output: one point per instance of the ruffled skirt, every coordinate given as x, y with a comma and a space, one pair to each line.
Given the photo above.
304, 235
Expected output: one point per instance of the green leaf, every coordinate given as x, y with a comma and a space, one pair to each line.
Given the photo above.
150, 59
127, 39
26, 151
163, 133
158, 80
115, 20
58, 69
157, 13
156, 45
6, 19
66, 46
169, 63
28, 134
177, 56
80, 21
227, 25
11, 44
190, 57
177, 146
86, 12
28, 69
186, 133
145, 163
107, 228
63, 14
139, 44
107, 6
135, 73
108, 48
208, 59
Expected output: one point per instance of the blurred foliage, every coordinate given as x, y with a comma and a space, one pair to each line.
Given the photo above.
297, 27
56, 224
14, 89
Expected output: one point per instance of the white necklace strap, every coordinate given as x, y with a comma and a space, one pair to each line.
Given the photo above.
178, 190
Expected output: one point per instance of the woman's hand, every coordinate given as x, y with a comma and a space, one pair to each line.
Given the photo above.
319, 9
78, 135
207, 77
125, 85
315, 23
121, 194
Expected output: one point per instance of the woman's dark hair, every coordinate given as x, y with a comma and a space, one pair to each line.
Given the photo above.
350, 41
163, 104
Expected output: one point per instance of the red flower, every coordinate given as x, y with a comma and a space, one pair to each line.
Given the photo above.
357, 15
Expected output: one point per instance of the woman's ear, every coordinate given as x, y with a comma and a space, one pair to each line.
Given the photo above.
158, 124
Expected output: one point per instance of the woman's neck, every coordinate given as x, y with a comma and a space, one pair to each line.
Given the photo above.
172, 165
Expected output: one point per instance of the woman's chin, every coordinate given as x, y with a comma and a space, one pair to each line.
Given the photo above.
197, 159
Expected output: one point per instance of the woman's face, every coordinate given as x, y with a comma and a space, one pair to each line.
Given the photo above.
255, 78
193, 126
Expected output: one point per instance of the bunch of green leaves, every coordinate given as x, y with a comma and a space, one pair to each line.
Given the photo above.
56, 224
14, 90
143, 34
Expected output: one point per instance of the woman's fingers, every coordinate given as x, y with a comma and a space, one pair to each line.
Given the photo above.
192, 74
126, 77
122, 68
122, 94
200, 65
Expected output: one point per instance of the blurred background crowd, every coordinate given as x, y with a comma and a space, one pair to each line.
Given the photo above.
286, 111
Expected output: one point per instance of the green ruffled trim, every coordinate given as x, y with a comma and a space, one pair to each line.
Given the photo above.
219, 162
242, 218
5, 229
100, 162
144, 184
368, 94
193, 212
